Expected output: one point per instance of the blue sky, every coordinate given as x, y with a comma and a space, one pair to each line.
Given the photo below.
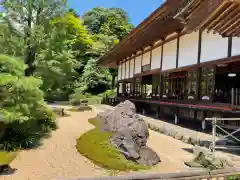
137, 10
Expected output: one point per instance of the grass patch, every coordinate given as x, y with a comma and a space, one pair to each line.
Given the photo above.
80, 109
236, 177
95, 145
94, 122
7, 157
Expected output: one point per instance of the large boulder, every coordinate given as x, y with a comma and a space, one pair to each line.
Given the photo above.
130, 133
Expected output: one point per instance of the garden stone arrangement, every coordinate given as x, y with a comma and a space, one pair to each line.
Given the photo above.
130, 133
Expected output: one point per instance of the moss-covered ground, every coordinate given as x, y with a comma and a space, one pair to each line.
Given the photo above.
95, 145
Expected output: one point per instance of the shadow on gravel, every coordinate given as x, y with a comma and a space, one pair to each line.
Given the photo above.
7, 170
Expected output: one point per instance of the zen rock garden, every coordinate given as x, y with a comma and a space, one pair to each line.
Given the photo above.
130, 133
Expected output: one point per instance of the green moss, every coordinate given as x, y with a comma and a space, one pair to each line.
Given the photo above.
7, 157
95, 145
201, 159
94, 122
236, 177
80, 109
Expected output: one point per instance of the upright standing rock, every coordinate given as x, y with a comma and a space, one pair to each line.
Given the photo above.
130, 133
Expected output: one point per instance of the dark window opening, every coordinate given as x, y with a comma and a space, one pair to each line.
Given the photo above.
128, 88
207, 83
147, 86
147, 90
137, 89
165, 84
177, 85
227, 86
156, 85
192, 83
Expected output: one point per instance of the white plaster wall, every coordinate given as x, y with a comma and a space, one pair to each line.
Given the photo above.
214, 47
119, 72
156, 58
127, 70
146, 58
123, 70
131, 67
188, 49
236, 46
138, 64
169, 55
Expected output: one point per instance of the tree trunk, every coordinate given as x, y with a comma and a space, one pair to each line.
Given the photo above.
2, 129
31, 55
113, 81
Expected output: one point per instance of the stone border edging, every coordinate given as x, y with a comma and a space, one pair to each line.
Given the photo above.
174, 134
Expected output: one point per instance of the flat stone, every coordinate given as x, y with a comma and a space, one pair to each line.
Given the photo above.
178, 136
217, 160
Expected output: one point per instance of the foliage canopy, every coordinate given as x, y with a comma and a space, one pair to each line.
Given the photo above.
48, 52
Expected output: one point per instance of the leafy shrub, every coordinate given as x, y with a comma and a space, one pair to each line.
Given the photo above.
95, 145
94, 79
108, 93
76, 98
236, 177
23, 109
12, 66
92, 99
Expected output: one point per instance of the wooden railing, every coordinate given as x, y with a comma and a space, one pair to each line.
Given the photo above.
190, 175
112, 101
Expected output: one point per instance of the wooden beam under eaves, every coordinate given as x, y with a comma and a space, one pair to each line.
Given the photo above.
221, 17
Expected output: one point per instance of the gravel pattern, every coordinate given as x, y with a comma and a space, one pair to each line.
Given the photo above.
57, 158
173, 153
183, 131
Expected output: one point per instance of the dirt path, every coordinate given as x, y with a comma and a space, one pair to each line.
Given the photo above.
57, 158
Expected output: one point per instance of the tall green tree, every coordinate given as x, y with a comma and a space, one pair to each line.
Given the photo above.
30, 19
57, 64
109, 25
51, 39
25, 118
108, 21
94, 80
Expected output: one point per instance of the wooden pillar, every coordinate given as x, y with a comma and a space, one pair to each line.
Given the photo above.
203, 125
161, 77
134, 79
198, 83
117, 88
229, 46
176, 120
176, 116
177, 55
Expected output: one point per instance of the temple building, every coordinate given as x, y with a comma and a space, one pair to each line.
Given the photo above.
183, 61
